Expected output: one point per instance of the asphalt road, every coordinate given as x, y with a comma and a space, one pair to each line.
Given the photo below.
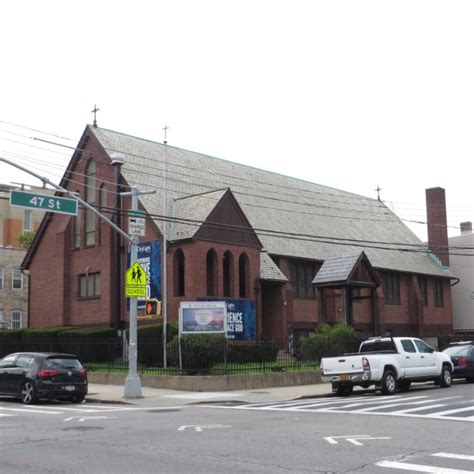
421, 430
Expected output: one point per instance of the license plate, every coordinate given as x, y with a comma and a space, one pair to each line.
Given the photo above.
69, 388
344, 377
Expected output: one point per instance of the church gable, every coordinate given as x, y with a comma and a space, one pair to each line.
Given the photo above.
227, 223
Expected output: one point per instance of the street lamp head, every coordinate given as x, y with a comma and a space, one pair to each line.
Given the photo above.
117, 159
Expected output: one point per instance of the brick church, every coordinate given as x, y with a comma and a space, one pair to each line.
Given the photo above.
290, 252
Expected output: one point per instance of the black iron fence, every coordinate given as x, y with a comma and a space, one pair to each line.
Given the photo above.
185, 357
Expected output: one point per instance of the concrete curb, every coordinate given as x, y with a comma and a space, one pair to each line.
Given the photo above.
206, 383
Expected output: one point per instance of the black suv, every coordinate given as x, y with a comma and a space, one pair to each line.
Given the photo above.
34, 375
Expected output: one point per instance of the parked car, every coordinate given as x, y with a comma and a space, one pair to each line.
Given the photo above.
38, 375
462, 356
389, 364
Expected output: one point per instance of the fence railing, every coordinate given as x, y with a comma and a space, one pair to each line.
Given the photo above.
231, 358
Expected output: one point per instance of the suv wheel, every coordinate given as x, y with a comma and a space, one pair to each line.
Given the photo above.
28, 395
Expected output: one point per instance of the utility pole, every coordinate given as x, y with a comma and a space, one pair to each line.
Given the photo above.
164, 286
133, 387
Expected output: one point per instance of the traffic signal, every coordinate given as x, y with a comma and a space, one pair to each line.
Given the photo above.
152, 308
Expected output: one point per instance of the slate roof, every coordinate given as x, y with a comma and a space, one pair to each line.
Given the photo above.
269, 270
337, 268
188, 210
317, 221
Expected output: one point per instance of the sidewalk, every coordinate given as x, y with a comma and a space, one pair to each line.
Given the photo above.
100, 393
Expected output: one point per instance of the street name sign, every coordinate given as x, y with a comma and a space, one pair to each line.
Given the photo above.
135, 282
43, 202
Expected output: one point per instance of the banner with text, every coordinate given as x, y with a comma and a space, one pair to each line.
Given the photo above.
240, 318
149, 257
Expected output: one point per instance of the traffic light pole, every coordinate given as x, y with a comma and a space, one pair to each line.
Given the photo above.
132, 388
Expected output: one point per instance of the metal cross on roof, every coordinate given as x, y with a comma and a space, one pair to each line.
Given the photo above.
94, 111
165, 128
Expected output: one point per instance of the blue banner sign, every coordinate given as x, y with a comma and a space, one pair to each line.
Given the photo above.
240, 318
149, 257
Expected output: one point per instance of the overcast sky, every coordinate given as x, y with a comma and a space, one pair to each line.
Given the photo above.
348, 94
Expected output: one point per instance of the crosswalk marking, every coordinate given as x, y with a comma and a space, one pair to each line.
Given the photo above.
62, 410
420, 406
464, 457
421, 467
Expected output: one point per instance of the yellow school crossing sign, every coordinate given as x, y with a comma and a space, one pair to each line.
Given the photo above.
135, 285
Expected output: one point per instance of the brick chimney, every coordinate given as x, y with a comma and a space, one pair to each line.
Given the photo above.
437, 223
466, 227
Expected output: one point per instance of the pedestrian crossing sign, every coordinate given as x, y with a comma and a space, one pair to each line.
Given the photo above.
135, 282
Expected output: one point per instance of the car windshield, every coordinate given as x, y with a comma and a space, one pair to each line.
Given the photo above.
458, 350
62, 363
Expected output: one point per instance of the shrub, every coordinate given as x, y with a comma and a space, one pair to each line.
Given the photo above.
329, 341
43, 339
150, 342
11, 341
91, 344
244, 353
199, 352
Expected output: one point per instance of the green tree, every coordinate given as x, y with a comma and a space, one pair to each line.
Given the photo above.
26, 239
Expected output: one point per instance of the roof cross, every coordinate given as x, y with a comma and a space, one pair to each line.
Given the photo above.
378, 189
165, 128
94, 111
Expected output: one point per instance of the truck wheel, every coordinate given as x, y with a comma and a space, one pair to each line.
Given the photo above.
389, 383
445, 378
344, 390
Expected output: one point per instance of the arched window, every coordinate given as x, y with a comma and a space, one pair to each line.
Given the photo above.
244, 279
77, 228
102, 197
228, 272
178, 273
91, 199
211, 272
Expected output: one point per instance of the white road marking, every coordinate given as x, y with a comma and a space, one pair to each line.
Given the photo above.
464, 457
72, 418
424, 407
31, 410
203, 395
450, 412
6, 414
199, 428
420, 467
354, 439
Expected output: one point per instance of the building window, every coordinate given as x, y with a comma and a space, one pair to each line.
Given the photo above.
2, 274
302, 275
90, 199
243, 276
16, 319
211, 272
89, 285
103, 197
17, 279
423, 289
178, 273
391, 288
228, 271
438, 294
27, 222
77, 229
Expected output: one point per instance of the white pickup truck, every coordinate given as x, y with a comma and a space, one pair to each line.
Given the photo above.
388, 363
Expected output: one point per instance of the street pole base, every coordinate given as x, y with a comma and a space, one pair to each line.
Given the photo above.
132, 387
